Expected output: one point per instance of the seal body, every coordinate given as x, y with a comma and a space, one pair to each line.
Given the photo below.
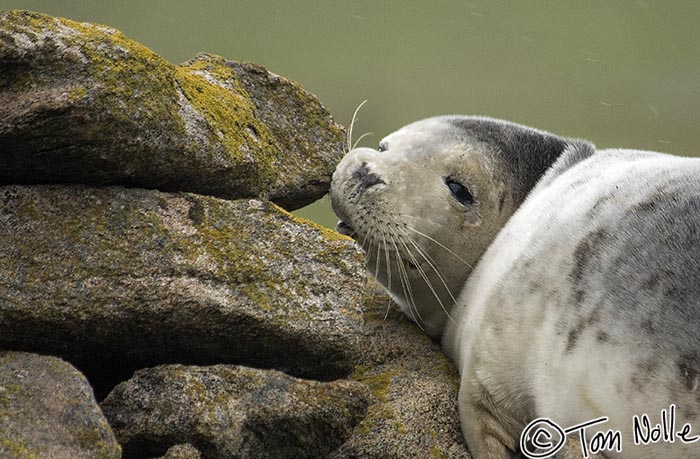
562, 281
587, 305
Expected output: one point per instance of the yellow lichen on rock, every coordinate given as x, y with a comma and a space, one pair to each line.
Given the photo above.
228, 109
105, 109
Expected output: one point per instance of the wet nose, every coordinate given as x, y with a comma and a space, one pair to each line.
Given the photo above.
365, 178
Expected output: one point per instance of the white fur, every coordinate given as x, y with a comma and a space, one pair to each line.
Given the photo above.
525, 365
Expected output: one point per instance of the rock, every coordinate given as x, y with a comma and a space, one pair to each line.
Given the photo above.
115, 279
118, 279
230, 411
413, 407
81, 103
47, 409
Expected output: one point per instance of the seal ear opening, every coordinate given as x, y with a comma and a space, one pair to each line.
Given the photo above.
575, 151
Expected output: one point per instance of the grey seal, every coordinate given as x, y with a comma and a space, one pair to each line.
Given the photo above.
563, 281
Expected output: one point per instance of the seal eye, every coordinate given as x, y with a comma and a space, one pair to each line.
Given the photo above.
382, 147
459, 191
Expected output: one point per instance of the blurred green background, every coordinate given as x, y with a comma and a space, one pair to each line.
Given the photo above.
623, 73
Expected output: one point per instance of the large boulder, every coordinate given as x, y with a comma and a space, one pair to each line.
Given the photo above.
229, 411
81, 103
116, 279
48, 410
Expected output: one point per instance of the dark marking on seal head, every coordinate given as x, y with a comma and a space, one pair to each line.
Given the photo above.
526, 153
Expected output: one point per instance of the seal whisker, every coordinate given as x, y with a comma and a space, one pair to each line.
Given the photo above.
514, 236
388, 273
352, 234
388, 309
432, 263
405, 288
364, 240
367, 244
432, 222
441, 245
366, 134
371, 299
369, 239
388, 261
352, 125
421, 219
406, 283
422, 273
378, 260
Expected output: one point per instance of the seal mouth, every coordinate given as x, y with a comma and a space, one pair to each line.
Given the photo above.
344, 228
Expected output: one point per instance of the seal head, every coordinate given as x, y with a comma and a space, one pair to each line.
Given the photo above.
428, 202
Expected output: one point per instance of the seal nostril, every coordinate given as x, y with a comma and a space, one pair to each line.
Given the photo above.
371, 180
361, 172
365, 177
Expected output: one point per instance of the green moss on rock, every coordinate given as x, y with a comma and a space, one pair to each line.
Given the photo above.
186, 277
17, 449
230, 113
88, 105
379, 411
